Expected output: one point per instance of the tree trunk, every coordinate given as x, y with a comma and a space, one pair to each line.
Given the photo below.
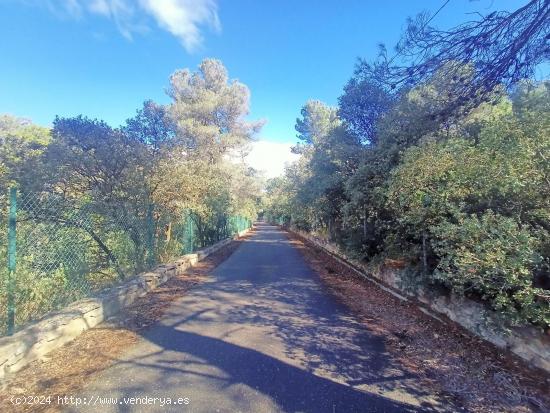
168, 232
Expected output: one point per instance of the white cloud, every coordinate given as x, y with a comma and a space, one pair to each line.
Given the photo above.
270, 157
61, 8
182, 18
73, 7
100, 7
122, 12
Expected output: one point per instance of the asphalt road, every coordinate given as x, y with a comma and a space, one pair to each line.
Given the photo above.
260, 336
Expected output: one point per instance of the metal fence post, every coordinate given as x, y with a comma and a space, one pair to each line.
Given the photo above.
12, 259
190, 233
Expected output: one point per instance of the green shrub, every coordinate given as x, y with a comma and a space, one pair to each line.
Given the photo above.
494, 257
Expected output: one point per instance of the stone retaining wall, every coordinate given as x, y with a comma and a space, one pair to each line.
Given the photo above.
527, 342
38, 339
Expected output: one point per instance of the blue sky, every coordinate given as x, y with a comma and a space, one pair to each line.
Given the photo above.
68, 57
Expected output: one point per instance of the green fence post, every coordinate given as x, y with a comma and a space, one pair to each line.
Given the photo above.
12, 259
190, 236
192, 233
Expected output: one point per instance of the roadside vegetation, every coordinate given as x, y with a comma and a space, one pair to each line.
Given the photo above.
96, 204
438, 158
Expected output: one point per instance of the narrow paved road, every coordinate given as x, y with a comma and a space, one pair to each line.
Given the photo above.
261, 336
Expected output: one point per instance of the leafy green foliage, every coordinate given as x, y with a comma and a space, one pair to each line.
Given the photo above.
483, 200
494, 257
98, 204
329, 156
21, 143
461, 193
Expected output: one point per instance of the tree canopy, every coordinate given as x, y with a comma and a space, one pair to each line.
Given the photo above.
438, 158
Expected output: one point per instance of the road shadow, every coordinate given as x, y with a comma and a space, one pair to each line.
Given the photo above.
263, 335
279, 291
292, 389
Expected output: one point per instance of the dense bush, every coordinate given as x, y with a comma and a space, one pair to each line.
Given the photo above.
493, 257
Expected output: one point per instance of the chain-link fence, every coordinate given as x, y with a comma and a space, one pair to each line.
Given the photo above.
53, 252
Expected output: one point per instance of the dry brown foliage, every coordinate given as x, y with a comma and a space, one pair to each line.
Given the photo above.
476, 374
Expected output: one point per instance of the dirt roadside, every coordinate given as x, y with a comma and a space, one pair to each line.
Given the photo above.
475, 373
68, 369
